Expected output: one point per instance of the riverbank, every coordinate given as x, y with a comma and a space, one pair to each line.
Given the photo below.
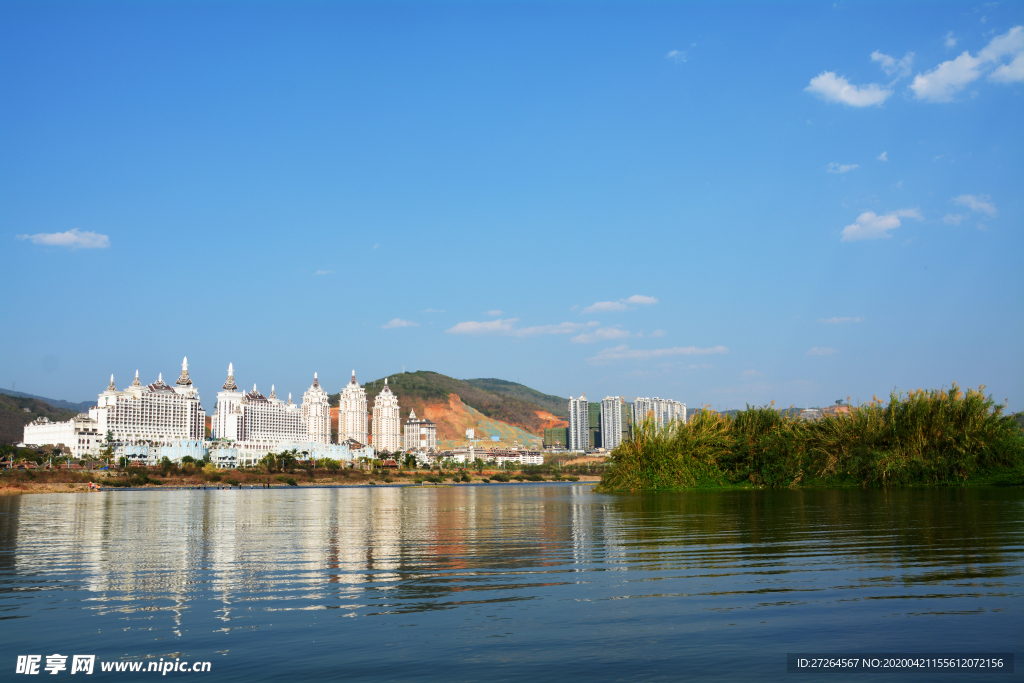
72, 482
925, 438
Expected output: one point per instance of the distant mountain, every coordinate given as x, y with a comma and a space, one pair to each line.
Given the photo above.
82, 407
17, 411
556, 405
503, 411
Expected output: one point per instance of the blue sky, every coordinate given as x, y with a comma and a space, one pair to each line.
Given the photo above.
717, 203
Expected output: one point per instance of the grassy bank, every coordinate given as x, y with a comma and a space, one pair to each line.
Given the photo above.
924, 438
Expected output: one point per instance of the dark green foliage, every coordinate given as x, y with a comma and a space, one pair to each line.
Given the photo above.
556, 405
924, 437
13, 417
501, 476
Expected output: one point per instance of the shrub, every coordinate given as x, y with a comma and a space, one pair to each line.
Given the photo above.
486, 480
500, 476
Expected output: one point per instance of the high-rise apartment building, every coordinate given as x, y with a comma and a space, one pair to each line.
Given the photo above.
641, 410
579, 423
387, 419
662, 411
352, 412
611, 422
316, 413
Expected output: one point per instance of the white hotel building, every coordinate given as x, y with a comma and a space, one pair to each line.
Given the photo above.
420, 434
352, 413
316, 413
387, 421
157, 413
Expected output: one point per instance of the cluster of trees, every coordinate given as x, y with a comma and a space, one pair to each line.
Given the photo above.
925, 437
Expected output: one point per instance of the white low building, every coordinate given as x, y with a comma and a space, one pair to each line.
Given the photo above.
80, 434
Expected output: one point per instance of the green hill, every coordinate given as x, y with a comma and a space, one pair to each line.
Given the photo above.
556, 405
14, 416
506, 402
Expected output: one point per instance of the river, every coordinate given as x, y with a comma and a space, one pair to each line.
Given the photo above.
541, 582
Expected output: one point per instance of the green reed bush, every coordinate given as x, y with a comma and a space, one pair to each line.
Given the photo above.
924, 437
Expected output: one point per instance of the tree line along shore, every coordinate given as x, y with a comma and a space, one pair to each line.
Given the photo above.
279, 470
923, 438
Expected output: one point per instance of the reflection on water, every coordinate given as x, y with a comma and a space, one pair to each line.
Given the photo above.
508, 582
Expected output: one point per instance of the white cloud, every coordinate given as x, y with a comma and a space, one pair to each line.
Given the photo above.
950, 40
603, 306
323, 272
433, 310
954, 218
832, 88
398, 322
943, 82
820, 351
487, 327
72, 239
677, 56
658, 333
621, 304
560, 328
507, 327
494, 312
870, 226
1009, 73
840, 321
894, 67
623, 352
884, 156
599, 334
840, 168
977, 202
751, 373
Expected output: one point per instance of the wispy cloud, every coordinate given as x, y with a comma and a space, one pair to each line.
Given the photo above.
832, 88
841, 168
323, 272
398, 322
949, 78
433, 310
72, 239
977, 202
677, 56
751, 373
954, 218
507, 327
600, 334
884, 156
900, 68
821, 351
621, 304
494, 312
623, 352
870, 226
840, 321
658, 333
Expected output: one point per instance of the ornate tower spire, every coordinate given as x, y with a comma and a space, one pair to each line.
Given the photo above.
353, 378
160, 378
272, 394
111, 387
136, 383
230, 383
316, 382
183, 378
289, 398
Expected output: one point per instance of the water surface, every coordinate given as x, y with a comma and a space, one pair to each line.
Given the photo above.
516, 582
